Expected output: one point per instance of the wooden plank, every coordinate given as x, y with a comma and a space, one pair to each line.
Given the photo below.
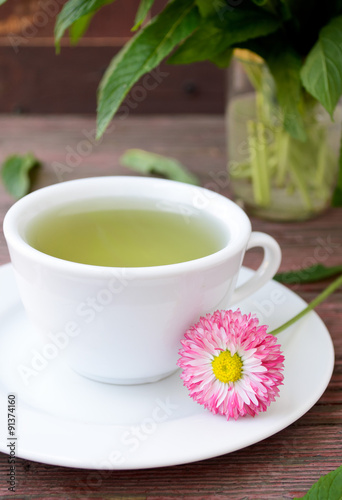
36, 80
33, 79
34, 19
283, 466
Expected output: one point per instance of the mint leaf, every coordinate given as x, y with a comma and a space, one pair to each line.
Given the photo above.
79, 27
217, 34
338, 6
143, 10
328, 487
337, 195
223, 59
72, 11
285, 67
152, 163
284, 64
207, 8
143, 53
322, 70
15, 173
285, 9
309, 274
205, 43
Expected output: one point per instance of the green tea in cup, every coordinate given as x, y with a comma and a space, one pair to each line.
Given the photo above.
105, 235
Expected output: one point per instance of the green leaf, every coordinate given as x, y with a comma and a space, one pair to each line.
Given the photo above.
337, 195
15, 173
72, 11
208, 7
328, 487
285, 9
279, 8
152, 163
205, 43
284, 64
322, 71
2, 2
79, 27
309, 274
217, 34
223, 59
338, 6
143, 10
143, 53
285, 67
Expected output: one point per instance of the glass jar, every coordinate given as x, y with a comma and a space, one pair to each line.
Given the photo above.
273, 175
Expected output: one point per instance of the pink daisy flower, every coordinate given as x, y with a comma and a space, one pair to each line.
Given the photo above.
231, 365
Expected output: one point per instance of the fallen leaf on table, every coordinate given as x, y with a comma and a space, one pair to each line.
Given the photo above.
309, 274
151, 163
328, 487
15, 173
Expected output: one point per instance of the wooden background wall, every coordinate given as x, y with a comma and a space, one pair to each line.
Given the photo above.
33, 79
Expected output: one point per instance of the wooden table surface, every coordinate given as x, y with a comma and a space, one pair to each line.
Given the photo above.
283, 466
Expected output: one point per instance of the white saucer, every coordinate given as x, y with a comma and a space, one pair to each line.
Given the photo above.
65, 419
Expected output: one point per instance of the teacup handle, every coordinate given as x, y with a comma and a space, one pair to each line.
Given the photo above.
266, 270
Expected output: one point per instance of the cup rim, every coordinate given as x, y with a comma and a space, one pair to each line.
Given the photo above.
15, 241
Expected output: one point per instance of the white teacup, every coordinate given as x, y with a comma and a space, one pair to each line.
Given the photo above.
124, 325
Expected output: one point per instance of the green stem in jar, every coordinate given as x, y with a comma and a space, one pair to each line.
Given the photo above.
282, 149
300, 183
321, 162
260, 188
263, 163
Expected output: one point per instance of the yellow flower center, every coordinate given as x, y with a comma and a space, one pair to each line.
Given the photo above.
226, 367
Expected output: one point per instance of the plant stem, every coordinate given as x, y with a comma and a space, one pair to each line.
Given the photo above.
261, 190
321, 163
263, 164
322, 296
253, 151
301, 184
282, 148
